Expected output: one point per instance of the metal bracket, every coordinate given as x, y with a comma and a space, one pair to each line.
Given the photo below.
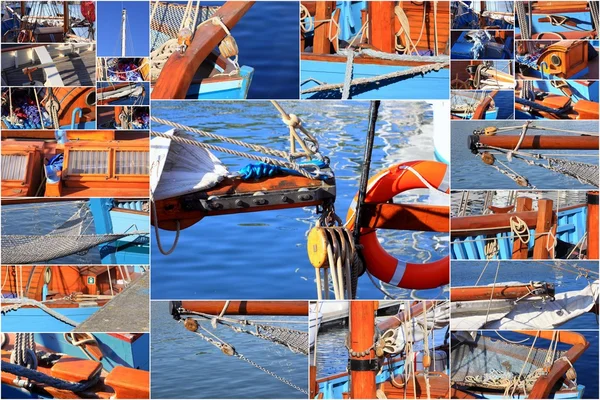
371, 364
200, 201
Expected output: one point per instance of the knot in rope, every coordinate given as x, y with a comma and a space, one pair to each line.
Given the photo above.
518, 227
292, 120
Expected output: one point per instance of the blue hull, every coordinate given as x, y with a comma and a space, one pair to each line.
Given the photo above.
580, 91
117, 351
490, 114
334, 388
36, 320
132, 249
571, 227
236, 89
411, 87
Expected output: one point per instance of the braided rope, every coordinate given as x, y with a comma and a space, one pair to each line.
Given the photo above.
423, 69
44, 379
292, 165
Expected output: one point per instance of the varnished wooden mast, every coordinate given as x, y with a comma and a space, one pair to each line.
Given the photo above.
248, 307
178, 73
363, 370
65, 17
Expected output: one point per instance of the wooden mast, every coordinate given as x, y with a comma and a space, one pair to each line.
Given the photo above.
65, 17
363, 370
178, 73
298, 308
592, 225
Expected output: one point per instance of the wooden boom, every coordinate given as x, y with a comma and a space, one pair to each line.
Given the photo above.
178, 73
538, 142
246, 307
504, 292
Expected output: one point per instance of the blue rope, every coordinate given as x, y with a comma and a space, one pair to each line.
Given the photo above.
40, 377
264, 170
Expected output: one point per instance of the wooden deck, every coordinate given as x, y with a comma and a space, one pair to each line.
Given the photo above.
75, 70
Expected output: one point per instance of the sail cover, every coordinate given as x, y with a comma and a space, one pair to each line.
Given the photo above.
179, 169
528, 313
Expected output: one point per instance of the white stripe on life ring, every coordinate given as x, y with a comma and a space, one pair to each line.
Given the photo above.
398, 273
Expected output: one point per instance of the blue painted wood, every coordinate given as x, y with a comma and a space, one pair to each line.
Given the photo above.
36, 320
226, 90
116, 350
571, 226
436, 82
580, 91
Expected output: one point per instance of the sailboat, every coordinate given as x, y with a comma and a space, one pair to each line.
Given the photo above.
74, 163
493, 365
557, 20
350, 50
49, 108
48, 22
520, 231
474, 105
42, 298
75, 365
384, 357
184, 62
119, 231
482, 15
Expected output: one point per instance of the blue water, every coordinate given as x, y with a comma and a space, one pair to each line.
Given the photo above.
263, 255
268, 41
586, 366
466, 273
40, 219
463, 162
185, 366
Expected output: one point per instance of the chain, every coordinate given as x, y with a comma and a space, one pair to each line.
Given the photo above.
230, 350
273, 374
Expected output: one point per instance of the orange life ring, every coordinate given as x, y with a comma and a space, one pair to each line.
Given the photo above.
382, 188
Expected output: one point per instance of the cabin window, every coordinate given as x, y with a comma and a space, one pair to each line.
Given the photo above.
14, 167
89, 162
131, 162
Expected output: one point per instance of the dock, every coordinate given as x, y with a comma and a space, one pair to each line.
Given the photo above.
127, 312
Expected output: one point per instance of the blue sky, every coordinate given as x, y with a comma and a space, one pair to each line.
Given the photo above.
109, 28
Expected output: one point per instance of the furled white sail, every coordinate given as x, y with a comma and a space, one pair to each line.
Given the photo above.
177, 169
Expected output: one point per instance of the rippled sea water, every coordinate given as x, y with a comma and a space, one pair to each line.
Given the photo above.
180, 357
263, 255
463, 162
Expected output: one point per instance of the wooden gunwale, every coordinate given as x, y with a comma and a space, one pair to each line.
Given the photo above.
411, 217
178, 73
489, 224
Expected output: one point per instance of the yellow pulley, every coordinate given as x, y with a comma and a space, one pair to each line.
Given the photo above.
316, 247
228, 47
490, 130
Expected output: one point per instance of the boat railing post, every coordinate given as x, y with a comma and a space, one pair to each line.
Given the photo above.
543, 230
321, 43
382, 33
592, 225
520, 249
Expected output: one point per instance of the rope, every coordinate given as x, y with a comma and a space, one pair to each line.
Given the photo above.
296, 167
423, 69
18, 303
41, 378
